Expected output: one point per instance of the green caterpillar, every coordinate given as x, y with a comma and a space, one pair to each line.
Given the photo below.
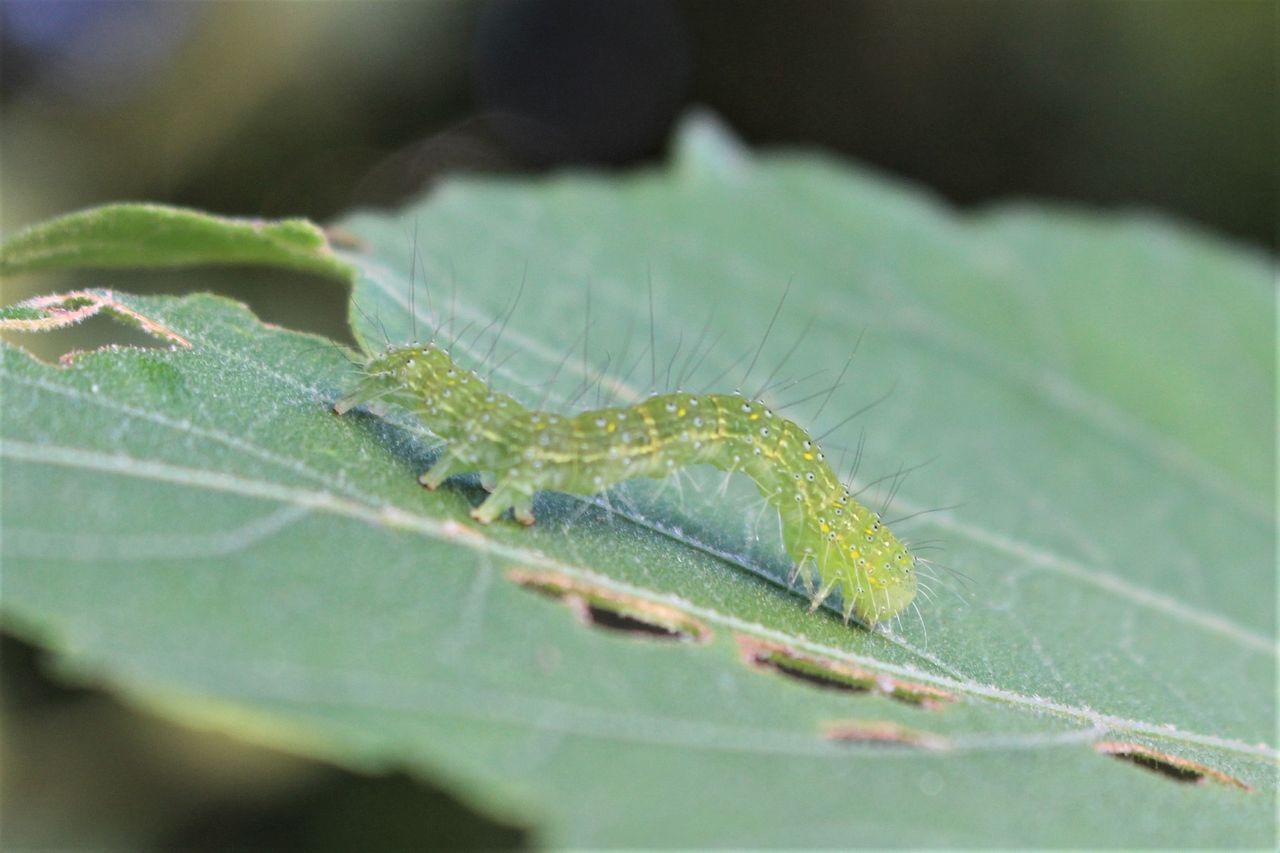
830, 537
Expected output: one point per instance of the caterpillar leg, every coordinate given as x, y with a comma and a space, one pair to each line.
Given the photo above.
860, 601
821, 595
446, 465
848, 613
803, 571
367, 391
503, 498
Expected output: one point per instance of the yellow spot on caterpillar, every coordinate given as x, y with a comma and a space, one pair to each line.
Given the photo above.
612, 427
681, 412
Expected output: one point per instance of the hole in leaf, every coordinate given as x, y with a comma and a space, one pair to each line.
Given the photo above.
63, 313
882, 732
1170, 766
612, 611
837, 675
615, 621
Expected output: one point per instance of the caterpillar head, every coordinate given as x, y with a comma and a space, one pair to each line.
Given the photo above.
883, 582
416, 370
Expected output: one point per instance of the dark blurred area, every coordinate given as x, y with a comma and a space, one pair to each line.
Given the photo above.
82, 770
274, 109
310, 109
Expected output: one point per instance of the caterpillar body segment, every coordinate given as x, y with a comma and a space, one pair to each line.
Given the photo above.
834, 541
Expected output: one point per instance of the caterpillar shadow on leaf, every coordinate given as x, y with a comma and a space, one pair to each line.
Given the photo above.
835, 544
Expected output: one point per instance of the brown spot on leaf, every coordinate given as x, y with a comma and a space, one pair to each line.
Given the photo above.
882, 732
1171, 766
603, 608
837, 675
344, 238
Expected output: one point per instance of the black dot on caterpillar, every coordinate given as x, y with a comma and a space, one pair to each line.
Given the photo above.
835, 543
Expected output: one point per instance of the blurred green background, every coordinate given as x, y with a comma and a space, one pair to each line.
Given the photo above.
310, 109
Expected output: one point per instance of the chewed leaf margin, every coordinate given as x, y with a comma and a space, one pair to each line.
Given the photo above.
60, 310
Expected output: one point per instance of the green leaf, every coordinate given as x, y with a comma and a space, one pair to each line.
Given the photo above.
153, 235
192, 526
